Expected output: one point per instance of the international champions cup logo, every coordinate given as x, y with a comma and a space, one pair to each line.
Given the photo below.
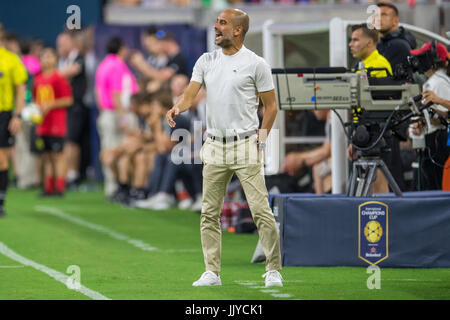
373, 232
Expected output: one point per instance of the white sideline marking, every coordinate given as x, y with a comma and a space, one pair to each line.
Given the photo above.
247, 283
181, 250
243, 282
113, 234
269, 291
281, 295
11, 267
431, 280
273, 292
58, 276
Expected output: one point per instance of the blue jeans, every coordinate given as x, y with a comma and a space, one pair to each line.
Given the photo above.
165, 173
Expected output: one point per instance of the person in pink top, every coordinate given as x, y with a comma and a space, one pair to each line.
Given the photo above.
32, 64
114, 85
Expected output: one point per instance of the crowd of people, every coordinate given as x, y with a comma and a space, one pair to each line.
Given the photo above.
133, 91
57, 87
136, 144
183, 3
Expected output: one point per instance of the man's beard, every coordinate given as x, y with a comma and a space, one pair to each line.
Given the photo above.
385, 31
225, 43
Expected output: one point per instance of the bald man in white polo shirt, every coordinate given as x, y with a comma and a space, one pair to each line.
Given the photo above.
235, 79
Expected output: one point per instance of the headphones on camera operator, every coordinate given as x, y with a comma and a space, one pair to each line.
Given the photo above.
420, 63
436, 60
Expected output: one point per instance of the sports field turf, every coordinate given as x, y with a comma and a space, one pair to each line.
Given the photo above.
127, 253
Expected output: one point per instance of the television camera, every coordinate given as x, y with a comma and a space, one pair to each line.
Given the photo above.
380, 108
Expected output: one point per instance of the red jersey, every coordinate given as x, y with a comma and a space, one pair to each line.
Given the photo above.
46, 89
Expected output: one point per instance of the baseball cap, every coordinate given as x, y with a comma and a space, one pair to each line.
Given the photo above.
440, 49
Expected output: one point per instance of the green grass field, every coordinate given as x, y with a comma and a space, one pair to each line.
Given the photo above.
107, 242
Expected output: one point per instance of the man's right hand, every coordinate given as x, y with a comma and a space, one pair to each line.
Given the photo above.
171, 114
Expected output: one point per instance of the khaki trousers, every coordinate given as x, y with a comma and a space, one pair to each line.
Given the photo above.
220, 161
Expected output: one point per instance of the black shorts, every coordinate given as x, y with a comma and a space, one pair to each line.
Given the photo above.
77, 122
41, 144
6, 139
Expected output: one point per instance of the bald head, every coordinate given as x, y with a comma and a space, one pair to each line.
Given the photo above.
231, 26
239, 19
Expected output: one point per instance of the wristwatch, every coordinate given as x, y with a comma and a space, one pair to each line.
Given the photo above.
17, 115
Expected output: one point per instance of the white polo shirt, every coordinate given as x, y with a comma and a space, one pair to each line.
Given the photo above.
232, 84
439, 83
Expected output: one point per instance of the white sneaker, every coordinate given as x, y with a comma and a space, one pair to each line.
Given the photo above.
185, 204
163, 201
208, 278
273, 278
145, 204
197, 205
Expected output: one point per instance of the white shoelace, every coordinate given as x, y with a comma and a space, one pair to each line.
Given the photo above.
208, 274
272, 275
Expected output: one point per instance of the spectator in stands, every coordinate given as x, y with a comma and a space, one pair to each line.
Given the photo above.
114, 83
133, 159
127, 3
151, 41
162, 178
53, 94
316, 158
177, 61
177, 85
71, 65
192, 171
36, 48
435, 132
181, 3
166, 46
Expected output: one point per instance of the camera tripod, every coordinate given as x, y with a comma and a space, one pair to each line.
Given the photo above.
364, 173
364, 170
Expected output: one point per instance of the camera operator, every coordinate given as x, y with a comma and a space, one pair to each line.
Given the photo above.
363, 46
434, 59
431, 96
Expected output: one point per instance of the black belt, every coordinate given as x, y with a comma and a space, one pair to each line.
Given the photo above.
243, 136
